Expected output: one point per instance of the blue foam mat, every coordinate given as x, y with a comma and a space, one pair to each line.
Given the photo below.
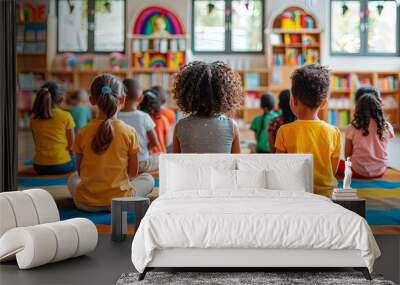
37, 182
383, 217
382, 184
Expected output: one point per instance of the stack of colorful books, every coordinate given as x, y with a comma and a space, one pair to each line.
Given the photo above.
344, 194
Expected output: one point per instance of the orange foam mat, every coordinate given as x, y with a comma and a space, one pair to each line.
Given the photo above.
385, 230
106, 229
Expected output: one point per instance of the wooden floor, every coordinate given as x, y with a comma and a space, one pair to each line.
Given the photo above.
103, 266
106, 264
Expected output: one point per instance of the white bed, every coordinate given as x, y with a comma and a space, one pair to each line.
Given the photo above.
219, 224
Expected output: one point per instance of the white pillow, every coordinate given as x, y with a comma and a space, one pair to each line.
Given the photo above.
224, 179
294, 179
251, 178
188, 177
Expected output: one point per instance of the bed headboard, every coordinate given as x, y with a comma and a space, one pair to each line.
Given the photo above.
270, 161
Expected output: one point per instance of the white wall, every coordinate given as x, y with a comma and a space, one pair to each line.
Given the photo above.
320, 9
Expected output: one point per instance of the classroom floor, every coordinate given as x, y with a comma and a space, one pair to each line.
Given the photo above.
26, 146
111, 259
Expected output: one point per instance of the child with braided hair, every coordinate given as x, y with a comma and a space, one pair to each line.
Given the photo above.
208, 94
107, 152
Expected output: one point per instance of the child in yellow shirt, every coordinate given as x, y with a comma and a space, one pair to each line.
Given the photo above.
309, 134
53, 132
107, 153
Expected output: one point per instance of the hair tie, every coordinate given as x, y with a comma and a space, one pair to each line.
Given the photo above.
106, 89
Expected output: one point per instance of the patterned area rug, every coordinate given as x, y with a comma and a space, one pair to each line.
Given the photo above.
268, 278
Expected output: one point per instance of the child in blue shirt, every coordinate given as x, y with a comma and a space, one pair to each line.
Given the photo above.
80, 111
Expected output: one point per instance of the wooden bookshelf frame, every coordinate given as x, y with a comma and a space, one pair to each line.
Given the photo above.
392, 114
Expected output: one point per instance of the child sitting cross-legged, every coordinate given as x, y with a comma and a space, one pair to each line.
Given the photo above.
53, 132
107, 153
261, 123
309, 134
367, 137
143, 124
207, 93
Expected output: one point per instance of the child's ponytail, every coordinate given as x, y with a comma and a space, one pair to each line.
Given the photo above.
106, 90
49, 96
43, 105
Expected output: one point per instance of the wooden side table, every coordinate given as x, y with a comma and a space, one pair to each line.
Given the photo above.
357, 205
119, 209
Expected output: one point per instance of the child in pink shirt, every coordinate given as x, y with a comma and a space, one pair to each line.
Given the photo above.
367, 137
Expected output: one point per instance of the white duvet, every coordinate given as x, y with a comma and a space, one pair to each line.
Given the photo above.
250, 219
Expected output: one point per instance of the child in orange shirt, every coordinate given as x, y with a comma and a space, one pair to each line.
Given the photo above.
107, 153
165, 111
309, 134
151, 105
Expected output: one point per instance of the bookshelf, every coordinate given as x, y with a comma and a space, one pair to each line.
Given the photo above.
255, 82
294, 38
388, 84
344, 85
31, 43
166, 51
31, 80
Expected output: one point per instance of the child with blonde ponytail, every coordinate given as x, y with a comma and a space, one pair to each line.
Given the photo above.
107, 152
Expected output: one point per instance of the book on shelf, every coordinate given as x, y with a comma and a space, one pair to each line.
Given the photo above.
345, 191
340, 119
312, 56
338, 197
277, 59
388, 83
344, 194
252, 80
291, 39
340, 83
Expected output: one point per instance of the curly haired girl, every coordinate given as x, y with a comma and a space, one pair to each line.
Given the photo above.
367, 138
208, 94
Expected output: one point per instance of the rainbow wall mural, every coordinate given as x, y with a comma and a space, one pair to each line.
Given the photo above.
144, 24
